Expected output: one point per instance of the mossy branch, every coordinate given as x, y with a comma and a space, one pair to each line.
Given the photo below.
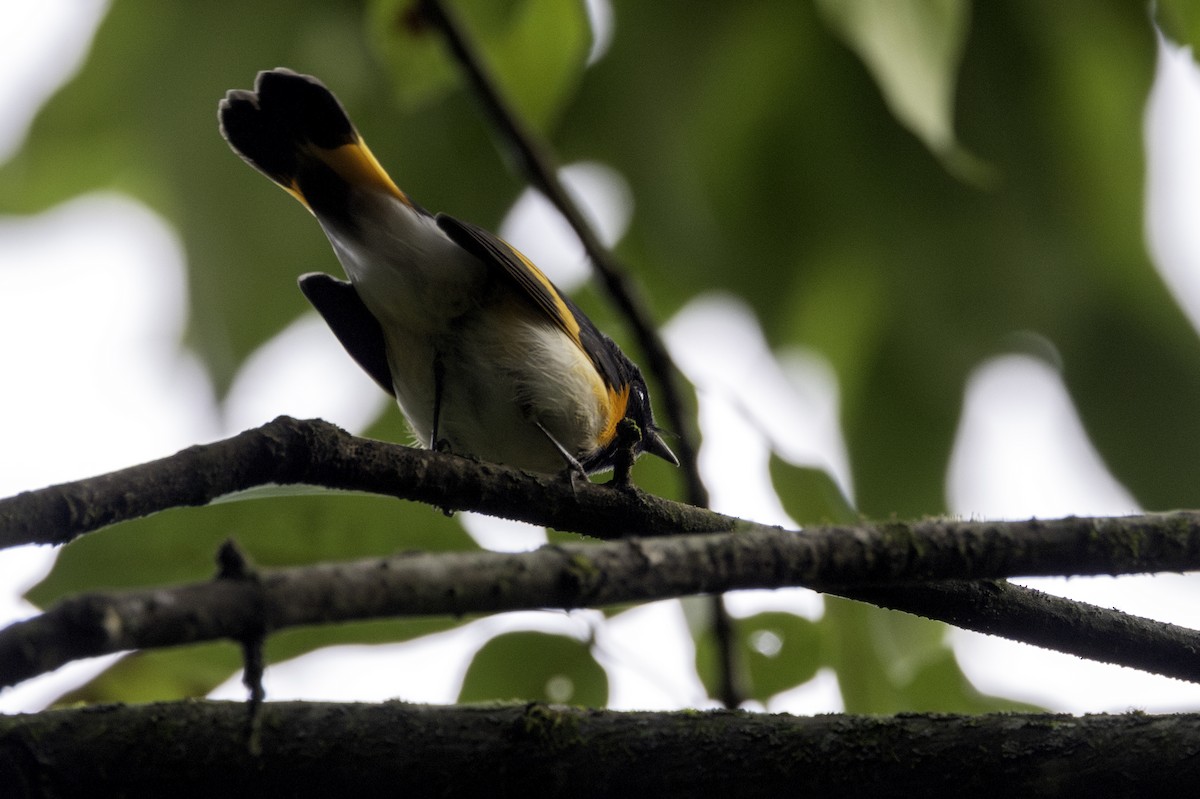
517, 750
287, 451
882, 564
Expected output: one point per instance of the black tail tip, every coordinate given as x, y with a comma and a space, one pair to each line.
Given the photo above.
283, 112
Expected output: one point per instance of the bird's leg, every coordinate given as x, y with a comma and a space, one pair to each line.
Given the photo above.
628, 436
439, 379
438, 444
572, 467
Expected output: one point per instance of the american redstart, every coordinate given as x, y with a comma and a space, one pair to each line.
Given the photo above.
484, 355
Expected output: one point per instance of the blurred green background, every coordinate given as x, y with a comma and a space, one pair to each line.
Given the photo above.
906, 187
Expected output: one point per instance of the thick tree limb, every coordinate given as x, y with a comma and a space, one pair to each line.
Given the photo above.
634, 570
538, 750
289, 452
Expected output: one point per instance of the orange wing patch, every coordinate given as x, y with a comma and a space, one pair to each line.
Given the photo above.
357, 165
548, 297
618, 403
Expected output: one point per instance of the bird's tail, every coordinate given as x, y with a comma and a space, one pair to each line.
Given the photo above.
293, 130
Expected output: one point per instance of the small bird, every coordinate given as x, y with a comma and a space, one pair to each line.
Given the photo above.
483, 354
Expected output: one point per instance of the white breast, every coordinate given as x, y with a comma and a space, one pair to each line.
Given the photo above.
505, 369
511, 377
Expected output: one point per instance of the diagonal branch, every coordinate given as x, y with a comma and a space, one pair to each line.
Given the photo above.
1062, 625
287, 451
290, 452
866, 562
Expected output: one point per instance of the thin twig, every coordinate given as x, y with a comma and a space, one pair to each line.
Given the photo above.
537, 163
232, 564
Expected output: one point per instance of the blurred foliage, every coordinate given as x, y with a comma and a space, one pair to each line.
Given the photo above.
912, 50
179, 546
535, 48
537, 667
885, 661
776, 651
1179, 20
906, 187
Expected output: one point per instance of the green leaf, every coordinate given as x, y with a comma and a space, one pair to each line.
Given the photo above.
783, 650
536, 50
777, 652
1179, 20
140, 118
809, 495
179, 546
535, 667
851, 652
872, 670
194, 671
160, 675
913, 49
890, 662
941, 687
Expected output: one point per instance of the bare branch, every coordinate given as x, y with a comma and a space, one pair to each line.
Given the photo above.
637, 570
419, 750
287, 451
1062, 625
290, 452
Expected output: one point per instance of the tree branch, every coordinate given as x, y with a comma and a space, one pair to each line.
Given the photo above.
287, 451
319, 749
1051, 622
636, 570
290, 452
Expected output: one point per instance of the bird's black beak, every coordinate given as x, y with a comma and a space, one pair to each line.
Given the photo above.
656, 446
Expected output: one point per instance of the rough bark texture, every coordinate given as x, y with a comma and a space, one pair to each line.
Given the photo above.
1063, 625
202, 748
287, 451
573, 576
